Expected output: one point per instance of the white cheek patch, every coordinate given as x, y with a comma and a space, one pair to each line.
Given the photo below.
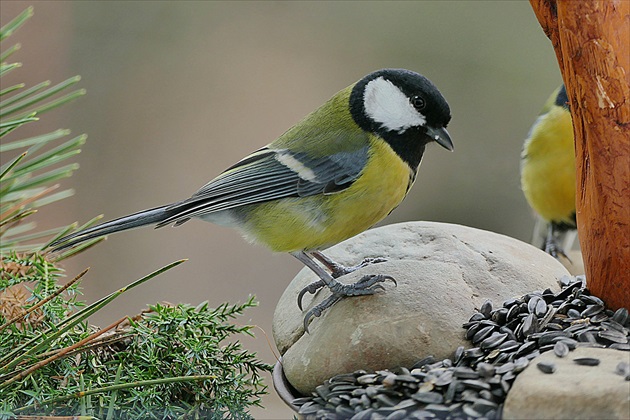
388, 105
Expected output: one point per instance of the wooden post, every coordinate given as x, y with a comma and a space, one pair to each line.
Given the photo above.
591, 39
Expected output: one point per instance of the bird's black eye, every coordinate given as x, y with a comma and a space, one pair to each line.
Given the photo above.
418, 102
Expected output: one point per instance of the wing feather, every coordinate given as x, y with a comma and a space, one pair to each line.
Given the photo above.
268, 175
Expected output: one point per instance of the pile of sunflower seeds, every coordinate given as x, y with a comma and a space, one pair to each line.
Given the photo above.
475, 381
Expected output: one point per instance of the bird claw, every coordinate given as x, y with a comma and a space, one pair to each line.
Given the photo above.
317, 310
311, 288
367, 285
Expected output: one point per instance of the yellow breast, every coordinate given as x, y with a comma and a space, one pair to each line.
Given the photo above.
548, 167
316, 222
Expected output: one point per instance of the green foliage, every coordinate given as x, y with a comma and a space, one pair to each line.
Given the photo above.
167, 362
31, 166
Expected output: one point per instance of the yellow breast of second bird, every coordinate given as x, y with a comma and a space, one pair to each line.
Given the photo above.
548, 168
316, 222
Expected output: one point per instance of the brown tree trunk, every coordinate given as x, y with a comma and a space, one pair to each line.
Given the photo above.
591, 39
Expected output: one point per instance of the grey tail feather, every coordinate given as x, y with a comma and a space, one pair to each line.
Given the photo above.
141, 218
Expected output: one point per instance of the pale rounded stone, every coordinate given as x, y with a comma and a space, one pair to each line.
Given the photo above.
573, 391
443, 273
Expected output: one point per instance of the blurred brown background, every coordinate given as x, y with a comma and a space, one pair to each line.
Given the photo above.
178, 91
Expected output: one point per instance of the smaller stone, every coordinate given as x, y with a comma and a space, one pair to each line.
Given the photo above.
573, 391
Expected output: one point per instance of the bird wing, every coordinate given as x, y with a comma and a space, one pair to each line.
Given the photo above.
271, 174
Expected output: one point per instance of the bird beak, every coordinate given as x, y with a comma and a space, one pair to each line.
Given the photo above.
441, 136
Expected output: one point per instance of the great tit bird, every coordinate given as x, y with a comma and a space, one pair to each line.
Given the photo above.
548, 170
336, 173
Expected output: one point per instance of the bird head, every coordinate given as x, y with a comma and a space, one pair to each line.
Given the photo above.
402, 107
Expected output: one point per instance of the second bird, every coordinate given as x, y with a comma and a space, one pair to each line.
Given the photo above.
336, 173
548, 171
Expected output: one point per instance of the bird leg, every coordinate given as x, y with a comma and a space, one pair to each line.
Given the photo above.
551, 246
367, 285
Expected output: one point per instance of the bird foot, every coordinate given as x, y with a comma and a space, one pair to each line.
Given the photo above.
554, 249
336, 270
367, 285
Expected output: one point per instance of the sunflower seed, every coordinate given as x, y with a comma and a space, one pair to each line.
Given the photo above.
397, 415
599, 318
586, 361
561, 349
486, 369
366, 379
541, 308
623, 347
548, 337
587, 337
594, 300
473, 353
343, 411
444, 378
529, 325
520, 364
449, 395
428, 397
504, 368
592, 310
422, 362
363, 415
532, 303
513, 312
613, 336
463, 372
477, 316
499, 316
309, 408
421, 414
349, 378
611, 324
621, 316
438, 409
508, 376
476, 384
623, 368
483, 406
525, 348
571, 343
482, 334
470, 411
486, 308
546, 367
493, 341
573, 313
509, 345
459, 353
386, 400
